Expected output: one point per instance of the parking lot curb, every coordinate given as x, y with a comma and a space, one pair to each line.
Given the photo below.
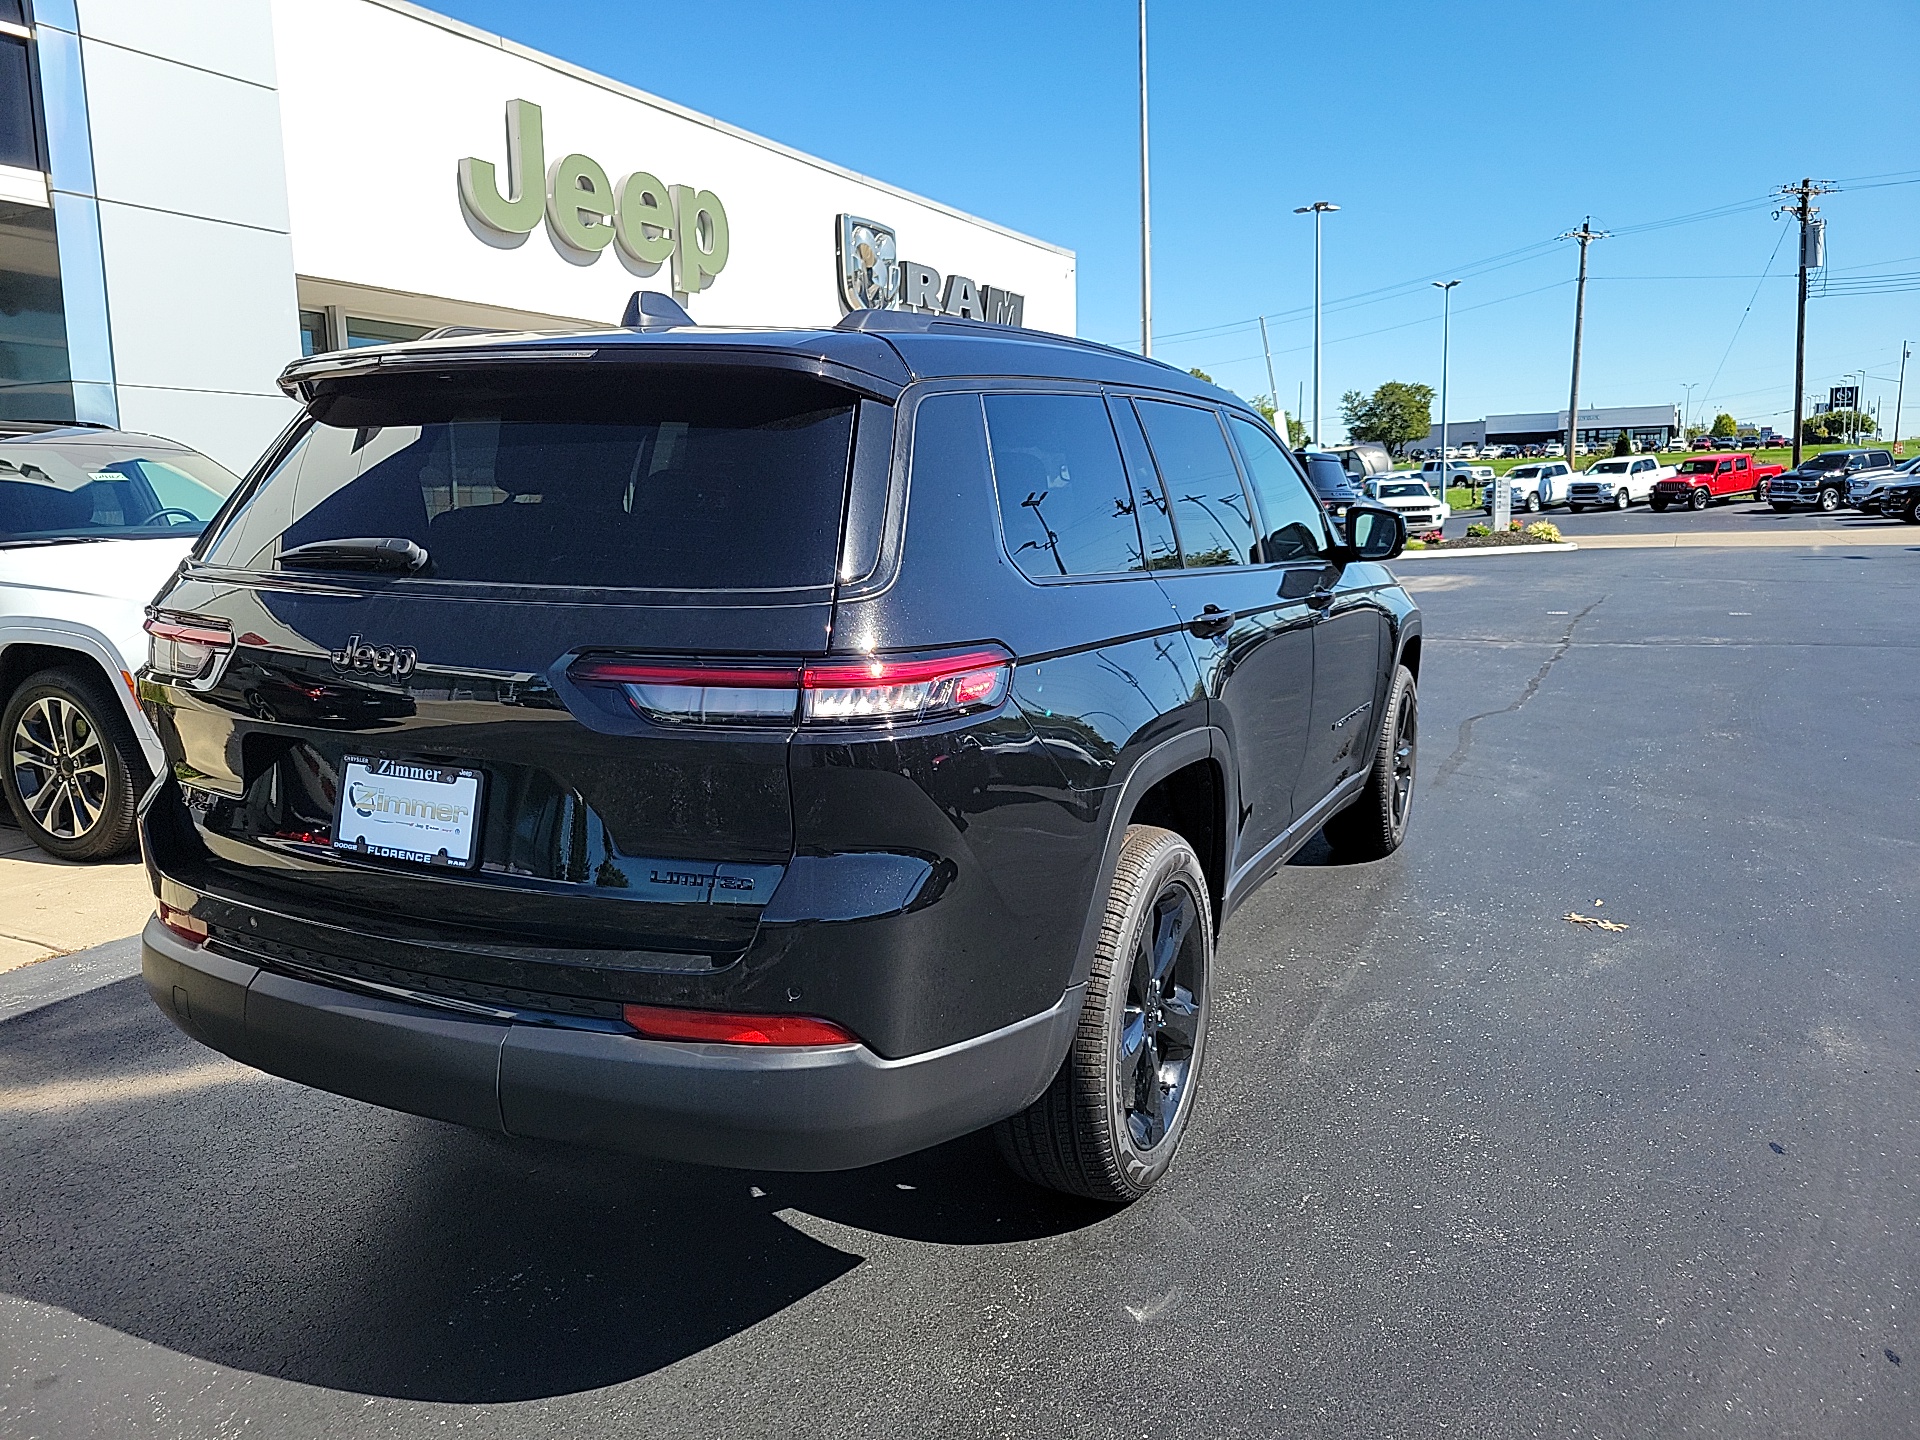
1489, 550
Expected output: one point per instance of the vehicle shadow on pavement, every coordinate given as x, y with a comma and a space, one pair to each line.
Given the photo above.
156, 1188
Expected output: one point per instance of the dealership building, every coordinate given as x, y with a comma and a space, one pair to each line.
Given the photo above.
1650, 425
193, 192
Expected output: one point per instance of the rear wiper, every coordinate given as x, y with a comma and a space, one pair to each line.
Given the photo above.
365, 553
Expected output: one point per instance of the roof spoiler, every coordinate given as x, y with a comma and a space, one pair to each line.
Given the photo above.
650, 310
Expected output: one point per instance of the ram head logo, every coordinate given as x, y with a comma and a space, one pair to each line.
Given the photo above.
869, 264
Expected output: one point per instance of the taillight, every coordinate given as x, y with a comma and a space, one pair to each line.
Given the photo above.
667, 1022
188, 927
186, 649
841, 693
880, 690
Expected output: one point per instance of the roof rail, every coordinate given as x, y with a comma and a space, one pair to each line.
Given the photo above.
448, 332
914, 322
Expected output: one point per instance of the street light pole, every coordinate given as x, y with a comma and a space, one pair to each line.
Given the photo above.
1318, 210
1445, 287
1686, 408
1146, 209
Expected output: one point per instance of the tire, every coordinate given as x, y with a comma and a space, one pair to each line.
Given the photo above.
1659, 507
1622, 500
1829, 501
1103, 1129
1912, 513
62, 735
1533, 503
1372, 827
1700, 499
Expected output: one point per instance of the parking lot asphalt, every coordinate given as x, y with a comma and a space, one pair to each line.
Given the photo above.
1460, 1166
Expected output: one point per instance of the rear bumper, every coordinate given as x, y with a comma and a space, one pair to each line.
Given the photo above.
820, 1108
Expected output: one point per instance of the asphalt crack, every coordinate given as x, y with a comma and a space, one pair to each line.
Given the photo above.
1465, 741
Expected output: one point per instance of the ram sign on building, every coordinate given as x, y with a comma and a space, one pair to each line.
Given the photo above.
204, 189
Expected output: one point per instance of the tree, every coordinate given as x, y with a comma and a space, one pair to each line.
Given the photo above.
1395, 415
1623, 444
1296, 432
1200, 374
1724, 424
1268, 410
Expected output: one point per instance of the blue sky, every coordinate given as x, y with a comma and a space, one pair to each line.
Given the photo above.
1459, 139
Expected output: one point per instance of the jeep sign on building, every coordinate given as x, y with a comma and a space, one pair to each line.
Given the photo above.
215, 186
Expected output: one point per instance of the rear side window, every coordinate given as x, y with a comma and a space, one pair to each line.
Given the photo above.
1210, 513
1064, 502
606, 478
1294, 530
1152, 511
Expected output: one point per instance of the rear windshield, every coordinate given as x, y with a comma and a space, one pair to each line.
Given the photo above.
604, 478
98, 490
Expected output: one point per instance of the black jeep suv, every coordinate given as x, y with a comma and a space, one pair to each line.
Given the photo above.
774, 749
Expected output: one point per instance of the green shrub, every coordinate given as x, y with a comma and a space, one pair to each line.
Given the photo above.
1477, 532
1545, 531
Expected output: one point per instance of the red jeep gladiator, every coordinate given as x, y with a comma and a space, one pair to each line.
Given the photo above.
1699, 481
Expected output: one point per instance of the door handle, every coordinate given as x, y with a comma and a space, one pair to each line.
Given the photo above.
1211, 623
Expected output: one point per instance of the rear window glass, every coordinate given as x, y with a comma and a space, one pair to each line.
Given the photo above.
1064, 501
603, 479
1210, 511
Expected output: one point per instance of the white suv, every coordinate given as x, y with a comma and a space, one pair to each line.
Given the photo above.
92, 523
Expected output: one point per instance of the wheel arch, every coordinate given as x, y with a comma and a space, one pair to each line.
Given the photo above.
25, 652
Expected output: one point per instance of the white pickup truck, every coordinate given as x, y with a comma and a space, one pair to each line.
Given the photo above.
1536, 487
1620, 482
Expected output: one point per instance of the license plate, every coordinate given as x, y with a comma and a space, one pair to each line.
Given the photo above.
402, 810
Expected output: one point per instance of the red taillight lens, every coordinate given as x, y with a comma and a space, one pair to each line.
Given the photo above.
827, 692
186, 649
841, 693
666, 1022
187, 927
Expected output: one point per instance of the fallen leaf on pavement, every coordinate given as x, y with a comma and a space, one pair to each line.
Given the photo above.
1576, 918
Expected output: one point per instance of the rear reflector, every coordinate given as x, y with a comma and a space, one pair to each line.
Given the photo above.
186, 648
829, 692
666, 1022
187, 927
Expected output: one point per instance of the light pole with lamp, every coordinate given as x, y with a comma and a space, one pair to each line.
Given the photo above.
1686, 410
1318, 209
1445, 287
1146, 208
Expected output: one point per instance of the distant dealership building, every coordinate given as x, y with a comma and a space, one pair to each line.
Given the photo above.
1657, 425
194, 192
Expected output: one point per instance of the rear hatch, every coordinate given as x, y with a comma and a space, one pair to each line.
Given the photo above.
396, 683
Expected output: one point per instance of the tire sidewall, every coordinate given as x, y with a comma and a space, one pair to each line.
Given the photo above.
1172, 862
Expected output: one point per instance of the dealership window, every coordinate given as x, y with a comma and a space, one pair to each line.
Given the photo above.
19, 143
34, 375
380, 332
313, 331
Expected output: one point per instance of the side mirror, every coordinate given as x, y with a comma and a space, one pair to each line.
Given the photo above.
1375, 533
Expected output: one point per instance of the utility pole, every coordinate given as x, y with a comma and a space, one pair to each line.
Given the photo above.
1146, 209
1586, 235
1813, 254
1320, 209
1900, 395
1273, 391
1445, 287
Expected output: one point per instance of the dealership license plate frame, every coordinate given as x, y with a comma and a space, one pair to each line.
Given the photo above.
413, 773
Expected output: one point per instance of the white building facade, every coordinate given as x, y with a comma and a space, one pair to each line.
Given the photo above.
208, 188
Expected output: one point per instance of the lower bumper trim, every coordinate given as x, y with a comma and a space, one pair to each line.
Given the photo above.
817, 1108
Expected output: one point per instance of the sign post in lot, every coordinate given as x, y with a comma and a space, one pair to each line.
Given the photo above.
1500, 497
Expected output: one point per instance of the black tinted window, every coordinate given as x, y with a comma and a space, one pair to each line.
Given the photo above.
1203, 484
1152, 510
18, 145
1291, 519
110, 490
1329, 477
598, 479
1064, 501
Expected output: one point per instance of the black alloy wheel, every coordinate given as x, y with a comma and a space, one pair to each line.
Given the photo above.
1373, 826
70, 766
1109, 1124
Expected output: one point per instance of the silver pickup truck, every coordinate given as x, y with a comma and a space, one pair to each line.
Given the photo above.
1825, 482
